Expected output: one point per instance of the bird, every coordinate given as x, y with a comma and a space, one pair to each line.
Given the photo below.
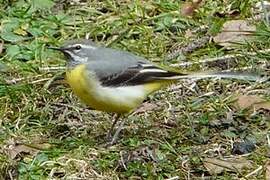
118, 81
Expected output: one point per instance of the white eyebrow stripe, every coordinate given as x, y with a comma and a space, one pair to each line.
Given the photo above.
83, 46
86, 46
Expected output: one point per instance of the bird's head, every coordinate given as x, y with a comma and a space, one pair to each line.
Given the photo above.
77, 51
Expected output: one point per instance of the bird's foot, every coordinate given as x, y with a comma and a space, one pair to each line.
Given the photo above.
112, 139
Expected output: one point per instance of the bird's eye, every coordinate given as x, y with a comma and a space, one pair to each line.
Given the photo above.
78, 47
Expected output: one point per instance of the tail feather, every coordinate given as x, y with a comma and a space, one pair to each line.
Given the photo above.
222, 74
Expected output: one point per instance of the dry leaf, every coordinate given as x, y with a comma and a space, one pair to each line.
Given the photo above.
14, 151
234, 31
252, 102
267, 171
246, 101
146, 107
217, 166
188, 8
1, 46
14, 148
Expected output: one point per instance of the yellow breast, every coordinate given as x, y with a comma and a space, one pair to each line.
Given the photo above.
76, 80
110, 99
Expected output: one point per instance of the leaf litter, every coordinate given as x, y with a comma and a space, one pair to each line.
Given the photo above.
252, 102
235, 32
15, 149
216, 166
267, 170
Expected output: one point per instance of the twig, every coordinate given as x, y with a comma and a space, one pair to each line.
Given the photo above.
31, 79
122, 160
173, 178
16, 80
10, 175
253, 172
39, 80
51, 69
268, 140
58, 76
222, 58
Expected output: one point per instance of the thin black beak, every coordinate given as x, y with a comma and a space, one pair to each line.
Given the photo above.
56, 48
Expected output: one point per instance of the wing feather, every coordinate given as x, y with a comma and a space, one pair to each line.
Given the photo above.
137, 74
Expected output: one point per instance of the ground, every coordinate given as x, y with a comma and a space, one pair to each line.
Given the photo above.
181, 132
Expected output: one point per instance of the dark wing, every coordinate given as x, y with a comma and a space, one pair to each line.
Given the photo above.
137, 74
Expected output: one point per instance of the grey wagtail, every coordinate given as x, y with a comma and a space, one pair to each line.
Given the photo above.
117, 81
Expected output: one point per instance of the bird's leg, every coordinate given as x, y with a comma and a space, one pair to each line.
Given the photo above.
116, 117
116, 134
113, 139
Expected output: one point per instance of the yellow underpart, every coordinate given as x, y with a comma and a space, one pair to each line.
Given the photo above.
109, 99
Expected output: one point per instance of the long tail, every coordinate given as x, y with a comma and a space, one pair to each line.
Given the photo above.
221, 74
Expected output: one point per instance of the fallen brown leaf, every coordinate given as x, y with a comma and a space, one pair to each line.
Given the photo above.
14, 149
189, 8
252, 102
267, 171
233, 32
142, 154
17, 150
217, 166
1, 46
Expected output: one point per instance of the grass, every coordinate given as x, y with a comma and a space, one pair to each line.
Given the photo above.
51, 134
